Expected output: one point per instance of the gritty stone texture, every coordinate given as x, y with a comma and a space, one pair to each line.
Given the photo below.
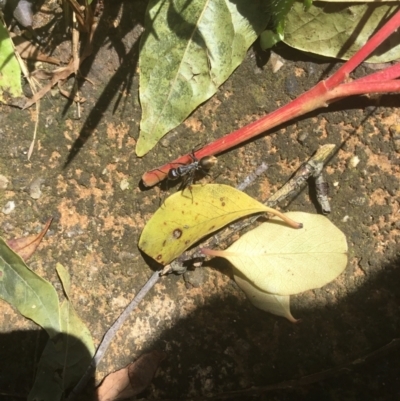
215, 340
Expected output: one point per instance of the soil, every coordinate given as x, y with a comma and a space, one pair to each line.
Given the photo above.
215, 341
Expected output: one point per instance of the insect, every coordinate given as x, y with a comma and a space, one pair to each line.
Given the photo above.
187, 172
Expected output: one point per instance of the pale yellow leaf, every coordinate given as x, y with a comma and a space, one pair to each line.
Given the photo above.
276, 304
281, 260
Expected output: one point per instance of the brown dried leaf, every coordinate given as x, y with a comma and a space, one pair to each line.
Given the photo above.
29, 50
26, 246
58, 75
130, 380
41, 74
142, 371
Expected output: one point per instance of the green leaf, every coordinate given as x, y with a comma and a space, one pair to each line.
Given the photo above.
339, 30
64, 278
64, 359
269, 39
189, 215
73, 326
190, 48
70, 348
30, 294
10, 73
280, 260
279, 10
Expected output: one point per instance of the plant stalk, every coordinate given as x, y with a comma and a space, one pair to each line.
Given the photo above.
321, 95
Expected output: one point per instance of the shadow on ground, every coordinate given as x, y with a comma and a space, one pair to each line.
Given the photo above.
228, 346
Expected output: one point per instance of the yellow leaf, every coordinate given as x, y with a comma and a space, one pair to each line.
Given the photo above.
279, 260
189, 215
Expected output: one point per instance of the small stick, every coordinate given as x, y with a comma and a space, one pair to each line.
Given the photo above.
251, 177
110, 334
75, 55
312, 168
33, 87
322, 188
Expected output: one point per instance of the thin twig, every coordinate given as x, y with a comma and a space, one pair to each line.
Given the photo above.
110, 334
33, 87
251, 177
75, 53
322, 189
312, 168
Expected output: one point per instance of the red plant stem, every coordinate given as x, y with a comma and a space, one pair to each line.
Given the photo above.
320, 95
344, 71
354, 88
316, 97
295, 108
391, 72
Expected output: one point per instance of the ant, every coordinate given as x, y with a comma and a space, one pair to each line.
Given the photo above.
188, 171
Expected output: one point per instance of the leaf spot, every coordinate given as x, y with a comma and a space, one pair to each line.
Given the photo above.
177, 233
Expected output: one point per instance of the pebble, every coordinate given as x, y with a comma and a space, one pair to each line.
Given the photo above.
358, 201
23, 12
34, 188
276, 61
9, 207
124, 184
302, 136
3, 182
74, 231
354, 161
